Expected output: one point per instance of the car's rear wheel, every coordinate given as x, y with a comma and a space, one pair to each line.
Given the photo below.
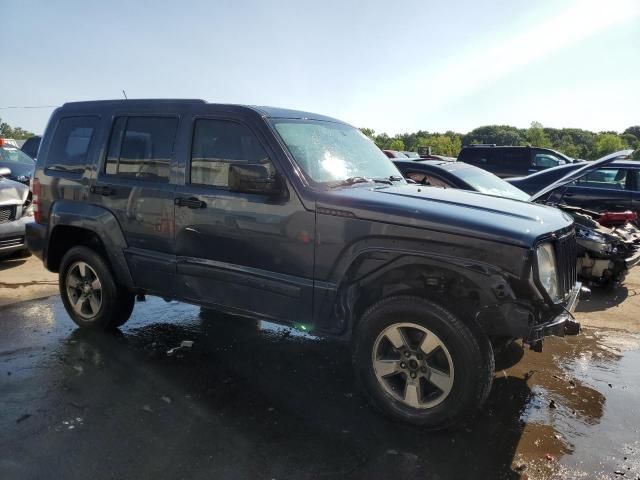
420, 363
90, 293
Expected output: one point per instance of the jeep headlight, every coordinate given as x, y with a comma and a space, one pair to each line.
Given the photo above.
547, 269
589, 234
592, 240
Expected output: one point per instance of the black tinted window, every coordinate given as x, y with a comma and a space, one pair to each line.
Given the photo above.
71, 142
141, 147
517, 157
30, 146
216, 145
477, 156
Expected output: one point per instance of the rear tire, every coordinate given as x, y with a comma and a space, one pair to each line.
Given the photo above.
90, 293
420, 364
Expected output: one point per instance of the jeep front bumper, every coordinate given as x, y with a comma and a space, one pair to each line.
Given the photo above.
562, 324
521, 319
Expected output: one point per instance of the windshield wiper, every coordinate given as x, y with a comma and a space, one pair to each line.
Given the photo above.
388, 180
350, 181
353, 180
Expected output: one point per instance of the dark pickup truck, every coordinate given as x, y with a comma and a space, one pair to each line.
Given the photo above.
300, 219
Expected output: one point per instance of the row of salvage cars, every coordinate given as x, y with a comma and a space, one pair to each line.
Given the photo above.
608, 241
16, 211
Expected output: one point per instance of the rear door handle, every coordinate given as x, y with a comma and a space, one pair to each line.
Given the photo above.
190, 202
568, 194
102, 190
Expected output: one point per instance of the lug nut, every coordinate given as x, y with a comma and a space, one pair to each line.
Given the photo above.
403, 365
407, 354
413, 374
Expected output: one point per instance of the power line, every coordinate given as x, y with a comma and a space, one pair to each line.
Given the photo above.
28, 106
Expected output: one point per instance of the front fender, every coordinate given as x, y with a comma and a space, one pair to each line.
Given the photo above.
442, 277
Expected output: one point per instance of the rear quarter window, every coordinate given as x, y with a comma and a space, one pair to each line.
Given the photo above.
71, 143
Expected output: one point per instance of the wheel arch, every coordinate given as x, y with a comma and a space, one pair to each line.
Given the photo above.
74, 223
460, 285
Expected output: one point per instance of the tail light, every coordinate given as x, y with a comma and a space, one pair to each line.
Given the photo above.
35, 199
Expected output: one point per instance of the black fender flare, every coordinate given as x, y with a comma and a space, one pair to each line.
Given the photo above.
102, 223
493, 284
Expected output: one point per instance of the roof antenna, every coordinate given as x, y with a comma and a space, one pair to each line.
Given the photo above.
125, 94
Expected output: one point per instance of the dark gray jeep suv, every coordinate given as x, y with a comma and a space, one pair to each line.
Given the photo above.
300, 219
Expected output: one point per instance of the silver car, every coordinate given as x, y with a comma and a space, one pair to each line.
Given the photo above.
15, 212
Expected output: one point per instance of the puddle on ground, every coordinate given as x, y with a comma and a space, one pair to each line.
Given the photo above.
287, 400
581, 419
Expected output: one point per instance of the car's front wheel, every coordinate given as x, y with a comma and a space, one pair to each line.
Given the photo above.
420, 363
89, 291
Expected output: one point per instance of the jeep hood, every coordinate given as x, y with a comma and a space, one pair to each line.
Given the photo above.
454, 211
580, 172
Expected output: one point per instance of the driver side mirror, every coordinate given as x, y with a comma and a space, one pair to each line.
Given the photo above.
4, 172
254, 178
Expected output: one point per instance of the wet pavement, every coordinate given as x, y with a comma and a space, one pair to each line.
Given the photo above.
254, 400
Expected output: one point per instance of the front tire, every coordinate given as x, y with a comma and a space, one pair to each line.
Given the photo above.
90, 293
421, 364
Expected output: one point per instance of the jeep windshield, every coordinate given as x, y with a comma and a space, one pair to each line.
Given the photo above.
335, 154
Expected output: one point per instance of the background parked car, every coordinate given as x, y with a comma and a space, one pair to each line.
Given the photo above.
31, 145
604, 254
394, 154
19, 164
511, 161
614, 187
15, 212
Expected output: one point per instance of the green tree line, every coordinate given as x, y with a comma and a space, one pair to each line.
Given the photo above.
17, 133
574, 142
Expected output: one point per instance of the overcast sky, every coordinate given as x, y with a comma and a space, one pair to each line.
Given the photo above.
392, 66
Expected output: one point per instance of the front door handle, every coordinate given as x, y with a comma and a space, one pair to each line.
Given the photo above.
103, 190
568, 194
191, 202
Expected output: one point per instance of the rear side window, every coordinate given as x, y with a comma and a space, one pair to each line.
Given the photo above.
477, 156
217, 144
515, 158
141, 148
71, 143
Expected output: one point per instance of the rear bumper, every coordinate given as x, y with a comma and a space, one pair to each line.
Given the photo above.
12, 235
36, 235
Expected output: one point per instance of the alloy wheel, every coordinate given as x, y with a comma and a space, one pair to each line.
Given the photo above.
84, 290
413, 365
